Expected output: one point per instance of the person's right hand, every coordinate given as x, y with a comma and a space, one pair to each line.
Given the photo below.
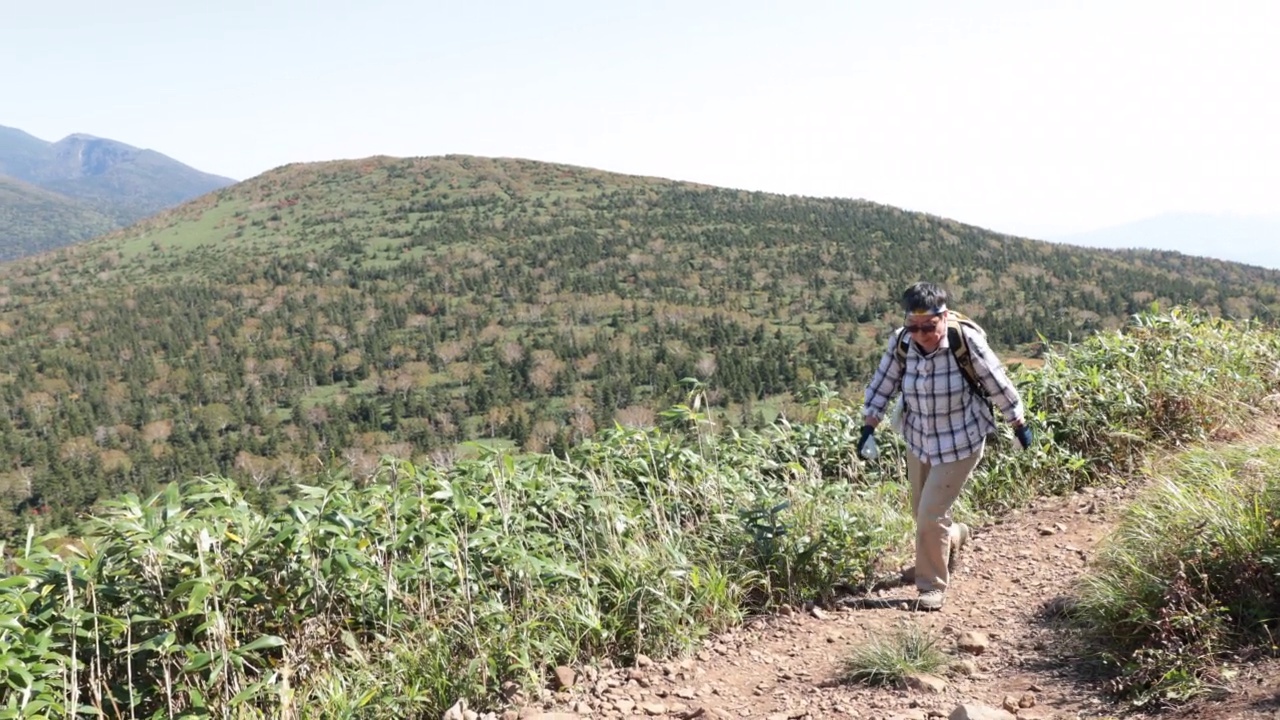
867, 432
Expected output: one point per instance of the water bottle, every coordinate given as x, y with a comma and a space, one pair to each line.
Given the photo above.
869, 450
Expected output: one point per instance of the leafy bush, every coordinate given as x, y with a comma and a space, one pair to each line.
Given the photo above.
398, 596
405, 594
1100, 406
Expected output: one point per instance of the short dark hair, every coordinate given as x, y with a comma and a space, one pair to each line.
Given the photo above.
923, 297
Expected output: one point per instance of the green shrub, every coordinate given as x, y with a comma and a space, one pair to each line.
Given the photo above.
432, 584
1100, 406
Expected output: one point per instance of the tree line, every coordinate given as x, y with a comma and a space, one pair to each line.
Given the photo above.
322, 316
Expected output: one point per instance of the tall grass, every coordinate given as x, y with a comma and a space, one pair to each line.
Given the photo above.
397, 597
1190, 578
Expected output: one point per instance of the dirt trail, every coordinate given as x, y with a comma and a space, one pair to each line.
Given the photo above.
789, 666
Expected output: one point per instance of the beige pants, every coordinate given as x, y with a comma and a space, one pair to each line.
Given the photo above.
934, 490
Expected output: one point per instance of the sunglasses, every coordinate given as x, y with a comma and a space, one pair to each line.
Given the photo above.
913, 329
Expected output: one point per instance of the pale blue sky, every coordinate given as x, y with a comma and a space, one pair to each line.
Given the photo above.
1027, 117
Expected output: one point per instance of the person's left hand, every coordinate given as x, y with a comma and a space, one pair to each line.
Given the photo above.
1023, 433
867, 432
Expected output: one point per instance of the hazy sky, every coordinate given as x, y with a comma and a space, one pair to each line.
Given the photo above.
1030, 117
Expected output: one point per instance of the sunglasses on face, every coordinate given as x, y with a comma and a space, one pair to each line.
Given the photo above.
923, 328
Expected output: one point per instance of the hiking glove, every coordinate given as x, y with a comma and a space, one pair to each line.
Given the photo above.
1023, 433
867, 433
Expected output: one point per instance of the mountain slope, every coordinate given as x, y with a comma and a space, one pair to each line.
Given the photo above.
121, 180
328, 313
647, 238
109, 178
22, 156
37, 219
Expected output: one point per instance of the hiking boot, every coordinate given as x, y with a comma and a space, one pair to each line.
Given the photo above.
930, 600
957, 544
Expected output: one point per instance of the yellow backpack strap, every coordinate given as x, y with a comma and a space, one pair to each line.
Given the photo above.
960, 349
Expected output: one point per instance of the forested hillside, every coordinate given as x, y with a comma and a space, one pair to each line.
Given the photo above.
322, 315
33, 219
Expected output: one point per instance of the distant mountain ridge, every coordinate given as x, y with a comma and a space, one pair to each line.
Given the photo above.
90, 185
1249, 239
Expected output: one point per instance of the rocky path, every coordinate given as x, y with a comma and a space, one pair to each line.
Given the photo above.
1006, 660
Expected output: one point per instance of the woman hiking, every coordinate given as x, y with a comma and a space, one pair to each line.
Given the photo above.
945, 421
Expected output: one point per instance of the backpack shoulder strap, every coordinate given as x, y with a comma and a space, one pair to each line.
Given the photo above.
900, 348
960, 349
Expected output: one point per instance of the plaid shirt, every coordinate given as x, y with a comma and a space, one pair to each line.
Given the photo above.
943, 419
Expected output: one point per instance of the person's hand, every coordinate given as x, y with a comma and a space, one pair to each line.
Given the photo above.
1023, 433
867, 432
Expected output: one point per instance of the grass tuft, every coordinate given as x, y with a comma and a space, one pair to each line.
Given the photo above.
888, 659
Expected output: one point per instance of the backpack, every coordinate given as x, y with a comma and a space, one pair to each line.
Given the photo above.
959, 348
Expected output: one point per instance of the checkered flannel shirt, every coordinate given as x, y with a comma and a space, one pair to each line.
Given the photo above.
943, 419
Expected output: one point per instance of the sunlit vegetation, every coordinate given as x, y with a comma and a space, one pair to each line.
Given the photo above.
396, 592
321, 316
1191, 580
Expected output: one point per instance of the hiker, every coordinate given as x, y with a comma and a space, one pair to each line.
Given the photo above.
945, 421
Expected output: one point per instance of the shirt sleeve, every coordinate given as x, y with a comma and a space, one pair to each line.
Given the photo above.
993, 377
886, 382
